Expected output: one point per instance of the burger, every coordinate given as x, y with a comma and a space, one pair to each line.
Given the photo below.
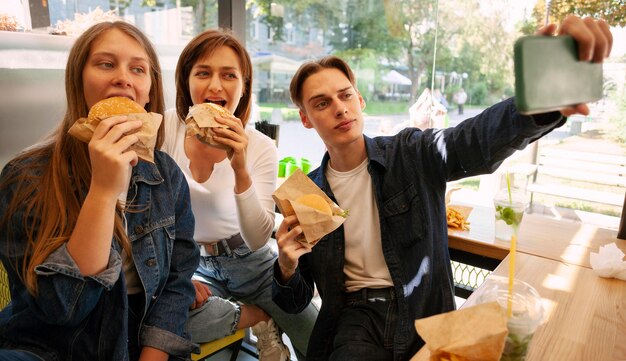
201, 122
113, 106
84, 128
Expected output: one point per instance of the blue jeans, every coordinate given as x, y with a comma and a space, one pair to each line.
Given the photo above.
365, 331
246, 277
18, 355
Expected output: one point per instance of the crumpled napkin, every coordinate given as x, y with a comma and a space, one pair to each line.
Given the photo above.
608, 262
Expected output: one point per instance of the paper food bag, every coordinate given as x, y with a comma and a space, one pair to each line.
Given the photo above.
315, 224
83, 130
476, 333
200, 123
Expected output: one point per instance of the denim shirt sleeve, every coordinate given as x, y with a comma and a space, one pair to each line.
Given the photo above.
479, 145
295, 295
65, 296
61, 262
164, 328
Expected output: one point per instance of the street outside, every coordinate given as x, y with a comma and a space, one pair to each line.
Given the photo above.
296, 141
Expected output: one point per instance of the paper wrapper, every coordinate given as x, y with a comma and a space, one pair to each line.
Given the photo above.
83, 130
608, 262
476, 333
200, 123
456, 216
314, 224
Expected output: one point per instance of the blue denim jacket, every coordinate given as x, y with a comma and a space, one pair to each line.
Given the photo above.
409, 172
85, 318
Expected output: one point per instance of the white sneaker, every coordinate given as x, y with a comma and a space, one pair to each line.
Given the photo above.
269, 344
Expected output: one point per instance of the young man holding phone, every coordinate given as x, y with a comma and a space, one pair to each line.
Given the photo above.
388, 264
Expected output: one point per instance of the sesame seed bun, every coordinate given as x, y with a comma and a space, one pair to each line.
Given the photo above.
114, 106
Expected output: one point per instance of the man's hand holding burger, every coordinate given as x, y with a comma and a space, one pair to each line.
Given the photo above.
289, 249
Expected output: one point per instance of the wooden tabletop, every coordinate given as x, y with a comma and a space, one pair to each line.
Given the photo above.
562, 240
585, 314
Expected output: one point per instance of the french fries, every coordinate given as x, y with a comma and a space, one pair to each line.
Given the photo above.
456, 218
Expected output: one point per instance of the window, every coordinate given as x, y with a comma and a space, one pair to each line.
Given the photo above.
391, 49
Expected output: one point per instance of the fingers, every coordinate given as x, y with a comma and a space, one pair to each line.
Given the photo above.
576, 109
574, 26
285, 225
606, 31
289, 248
110, 155
234, 136
203, 292
547, 30
115, 127
593, 37
602, 43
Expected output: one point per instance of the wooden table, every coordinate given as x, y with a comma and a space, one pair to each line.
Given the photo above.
585, 314
557, 239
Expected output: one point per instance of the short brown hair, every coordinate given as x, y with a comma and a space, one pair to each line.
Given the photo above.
312, 67
205, 44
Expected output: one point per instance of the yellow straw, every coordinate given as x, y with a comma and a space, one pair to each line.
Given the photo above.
509, 304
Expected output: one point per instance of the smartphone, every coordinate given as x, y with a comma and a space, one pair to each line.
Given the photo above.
549, 76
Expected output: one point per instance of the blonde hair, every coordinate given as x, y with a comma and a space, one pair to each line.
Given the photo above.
50, 180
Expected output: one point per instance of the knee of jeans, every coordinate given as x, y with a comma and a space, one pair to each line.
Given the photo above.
217, 318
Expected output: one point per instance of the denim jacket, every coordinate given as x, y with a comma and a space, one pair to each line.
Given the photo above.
409, 172
78, 317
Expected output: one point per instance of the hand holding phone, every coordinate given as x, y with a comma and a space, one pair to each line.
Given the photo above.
549, 76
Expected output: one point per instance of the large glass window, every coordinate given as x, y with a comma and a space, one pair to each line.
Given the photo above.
411, 58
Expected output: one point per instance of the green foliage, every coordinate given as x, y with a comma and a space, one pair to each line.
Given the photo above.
478, 93
509, 216
516, 347
386, 108
612, 11
359, 29
288, 113
618, 118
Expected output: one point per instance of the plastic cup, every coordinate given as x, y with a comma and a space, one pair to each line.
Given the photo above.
282, 166
290, 168
526, 315
508, 217
306, 165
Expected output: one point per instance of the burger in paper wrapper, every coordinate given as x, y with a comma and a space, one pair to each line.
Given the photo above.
83, 128
201, 121
317, 214
475, 333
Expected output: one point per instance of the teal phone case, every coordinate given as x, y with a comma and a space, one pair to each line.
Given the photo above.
549, 76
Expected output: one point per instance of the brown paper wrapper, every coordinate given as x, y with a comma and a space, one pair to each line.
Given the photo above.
476, 333
314, 224
83, 130
200, 123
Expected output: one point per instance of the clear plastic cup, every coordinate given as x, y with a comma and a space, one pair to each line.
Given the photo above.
526, 315
508, 217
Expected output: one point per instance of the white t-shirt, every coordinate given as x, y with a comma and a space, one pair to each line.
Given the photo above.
219, 212
365, 265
